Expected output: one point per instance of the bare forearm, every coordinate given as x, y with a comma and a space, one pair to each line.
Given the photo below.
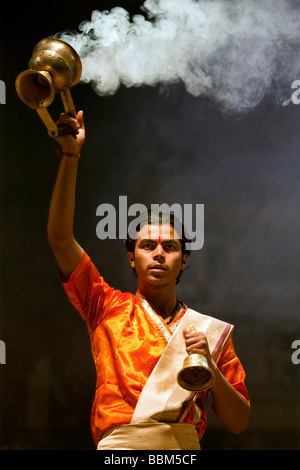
230, 407
61, 213
61, 217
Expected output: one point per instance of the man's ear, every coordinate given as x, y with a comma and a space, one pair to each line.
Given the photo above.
184, 261
131, 259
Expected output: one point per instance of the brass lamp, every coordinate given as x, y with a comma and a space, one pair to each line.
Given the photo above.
54, 68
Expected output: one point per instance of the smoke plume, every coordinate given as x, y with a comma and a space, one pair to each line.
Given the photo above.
234, 52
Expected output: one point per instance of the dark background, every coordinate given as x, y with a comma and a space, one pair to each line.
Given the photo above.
153, 148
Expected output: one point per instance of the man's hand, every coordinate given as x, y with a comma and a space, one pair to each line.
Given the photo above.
196, 343
72, 143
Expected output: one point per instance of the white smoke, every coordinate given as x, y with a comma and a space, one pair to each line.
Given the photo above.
234, 52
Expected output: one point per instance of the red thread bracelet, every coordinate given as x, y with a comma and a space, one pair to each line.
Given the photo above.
62, 154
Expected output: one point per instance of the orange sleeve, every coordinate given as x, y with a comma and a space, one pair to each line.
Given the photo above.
232, 369
88, 292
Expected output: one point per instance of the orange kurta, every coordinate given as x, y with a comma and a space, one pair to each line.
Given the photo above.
126, 345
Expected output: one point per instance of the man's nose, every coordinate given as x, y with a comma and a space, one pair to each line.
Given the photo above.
159, 252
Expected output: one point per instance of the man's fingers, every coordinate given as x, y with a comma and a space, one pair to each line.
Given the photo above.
69, 120
195, 342
79, 117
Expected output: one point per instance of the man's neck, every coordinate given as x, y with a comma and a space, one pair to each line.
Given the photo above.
162, 299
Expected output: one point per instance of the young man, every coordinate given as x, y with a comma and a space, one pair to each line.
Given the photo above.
139, 341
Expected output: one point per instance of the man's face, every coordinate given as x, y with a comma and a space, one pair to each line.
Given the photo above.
157, 257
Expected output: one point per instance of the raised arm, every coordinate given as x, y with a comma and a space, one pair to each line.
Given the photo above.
66, 250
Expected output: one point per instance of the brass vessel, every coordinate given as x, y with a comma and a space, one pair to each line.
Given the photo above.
54, 67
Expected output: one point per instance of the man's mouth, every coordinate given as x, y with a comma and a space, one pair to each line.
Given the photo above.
158, 267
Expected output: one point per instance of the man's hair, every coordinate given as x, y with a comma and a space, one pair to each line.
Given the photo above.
156, 217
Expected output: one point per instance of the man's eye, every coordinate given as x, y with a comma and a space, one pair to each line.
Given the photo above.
169, 246
147, 246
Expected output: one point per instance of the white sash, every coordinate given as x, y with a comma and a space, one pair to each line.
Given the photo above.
162, 399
